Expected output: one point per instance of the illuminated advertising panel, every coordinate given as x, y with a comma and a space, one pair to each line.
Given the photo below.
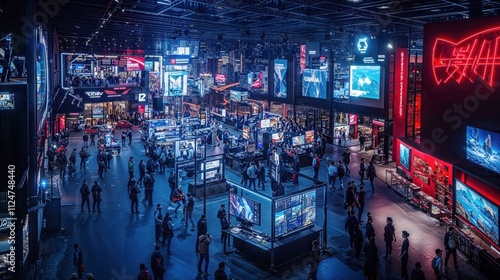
175, 83
135, 63
483, 148
220, 79
400, 92
314, 83
280, 72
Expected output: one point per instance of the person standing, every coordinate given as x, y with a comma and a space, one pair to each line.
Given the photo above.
109, 157
78, 261
84, 155
220, 274
158, 220
332, 175
129, 134
404, 255
149, 183
450, 245
143, 273
370, 230
142, 172
189, 210
362, 140
389, 236
131, 164
350, 224
362, 170
179, 197
92, 139
360, 201
167, 232
224, 223
371, 262
85, 140
133, 191
316, 164
252, 176
296, 167
221, 211
341, 174
124, 138
96, 196
157, 264
202, 228
261, 175
72, 157
204, 241
358, 241
371, 172
316, 258
417, 273
85, 192
171, 184
437, 264
346, 158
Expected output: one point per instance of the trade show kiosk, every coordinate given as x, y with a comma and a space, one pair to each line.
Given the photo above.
282, 233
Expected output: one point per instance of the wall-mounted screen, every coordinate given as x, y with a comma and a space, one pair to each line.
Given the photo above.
365, 81
314, 83
235, 95
483, 148
220, 79
280, 70
277, 137
310, 136
265, 123
295, 212
244, 209
404, 156
175, 83
298, 140
477, 210
7, 101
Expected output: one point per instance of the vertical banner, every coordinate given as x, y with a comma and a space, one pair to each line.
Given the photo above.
314, 83
400, 93
280, 68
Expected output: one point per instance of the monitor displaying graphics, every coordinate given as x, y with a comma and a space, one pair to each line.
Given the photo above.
185, 150
235, 95
265, 123
295, 212
365, 81
314, 83
477, 210
244, 209
246, 132
298, 140
175, 83
310, 136
404, 156
280, 73
483, 148
7, 101
277, 137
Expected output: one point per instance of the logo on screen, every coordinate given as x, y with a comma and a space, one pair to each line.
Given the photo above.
362, 45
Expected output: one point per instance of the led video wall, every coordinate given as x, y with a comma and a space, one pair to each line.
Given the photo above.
244, 209
176, 83
295, 212
404, 156
482, 147
314, 83
280, 74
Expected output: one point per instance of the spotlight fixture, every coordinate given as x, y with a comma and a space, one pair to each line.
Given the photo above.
390, 46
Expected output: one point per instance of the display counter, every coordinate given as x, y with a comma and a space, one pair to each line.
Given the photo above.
238, 158
213, 187
256, 246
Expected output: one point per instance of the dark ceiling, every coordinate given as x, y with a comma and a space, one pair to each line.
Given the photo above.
113, 26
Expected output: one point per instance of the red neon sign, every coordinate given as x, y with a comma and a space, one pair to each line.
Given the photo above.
476, 56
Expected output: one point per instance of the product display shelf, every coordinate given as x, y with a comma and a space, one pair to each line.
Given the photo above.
403, 187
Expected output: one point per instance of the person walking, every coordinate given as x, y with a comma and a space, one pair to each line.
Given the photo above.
96, 196
157, 264
360, 201
85, 140
142, 172
84, 155
417, 273
85, 192
341, 174
109, 157
124, 137
252, 176
389, 236
129, 134
224, 223
133, 191
371, 172
220, 274
362, 170
332, 175
346, 158
450, 246
371, 262
131, 164
167, 226
72, 157
158, 220
316, 164
78, 260
362, 139
143, 273
437, 264
149, 183
202, 228
204, 241
92, 139
189, 211
404, 255
179, 197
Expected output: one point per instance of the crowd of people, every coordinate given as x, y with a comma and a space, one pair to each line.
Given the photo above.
89, 80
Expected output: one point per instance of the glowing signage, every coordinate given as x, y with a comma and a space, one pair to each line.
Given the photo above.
135, 63
400, 91
475, 57
362, 45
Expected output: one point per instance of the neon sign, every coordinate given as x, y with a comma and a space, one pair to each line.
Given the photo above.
362, 45
475, 57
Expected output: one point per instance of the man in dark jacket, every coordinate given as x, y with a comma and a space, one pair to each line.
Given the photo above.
157, 264
133, 195
78, 260
202, 228
171, 184
451, 245
96, 195
220, 274
85, 192
84, 155
142, 172
350, 224
370, 230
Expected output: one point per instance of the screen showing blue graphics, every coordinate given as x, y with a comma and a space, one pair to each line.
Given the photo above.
175, 83
483, 148
295, 212
404, 156
314, 83
365, 81
478, 211
280, 68
244, 209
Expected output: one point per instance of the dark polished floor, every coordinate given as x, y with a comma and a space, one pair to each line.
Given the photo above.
115, 242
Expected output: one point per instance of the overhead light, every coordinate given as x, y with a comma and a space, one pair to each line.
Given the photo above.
384, 7
390, 46
164, 2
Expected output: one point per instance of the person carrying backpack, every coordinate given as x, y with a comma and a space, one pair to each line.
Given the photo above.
157, 264
437, 264
332, 175
84, 155
417, 273
450, 245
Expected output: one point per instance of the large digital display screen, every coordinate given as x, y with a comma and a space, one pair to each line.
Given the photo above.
277, 137
176, 83
314, 83
310, 136
244, 209
476, 210
365, 81
483, 148
298, 140
294, 212
280, 70
185, 150
404, 156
